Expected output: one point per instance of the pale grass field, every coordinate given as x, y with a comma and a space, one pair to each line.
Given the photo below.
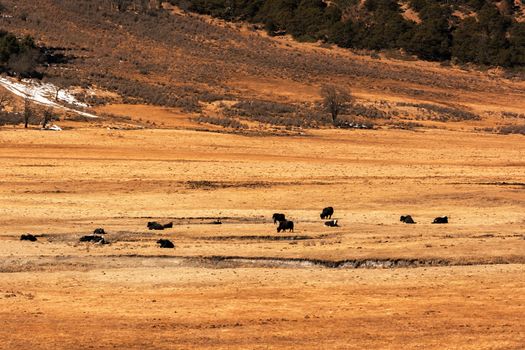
58, 293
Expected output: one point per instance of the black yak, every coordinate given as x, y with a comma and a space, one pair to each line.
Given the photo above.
277, 217
165, 243
153, 225
331, 223
285, 225
327, 213
28, 237
441, 220
94, 239
407, 219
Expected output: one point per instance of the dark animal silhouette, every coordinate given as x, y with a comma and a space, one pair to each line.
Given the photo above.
28, 237
327, 213
407, 219
99, 231
165, 243
153, 225
331, 223
277, 217
93, 239
441, 220
285, 225
217, 222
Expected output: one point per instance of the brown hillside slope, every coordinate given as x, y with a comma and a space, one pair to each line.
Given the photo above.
185, 61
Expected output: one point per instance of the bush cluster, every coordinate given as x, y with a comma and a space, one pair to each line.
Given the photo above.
275, 113
512, 129
224, 122
441, 113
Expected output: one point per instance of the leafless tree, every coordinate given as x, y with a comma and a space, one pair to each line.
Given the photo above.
60, 83
28, 112
47, 117
335, 100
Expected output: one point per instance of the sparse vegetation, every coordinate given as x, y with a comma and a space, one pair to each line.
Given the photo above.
441, 113
369, 112
512, 129
335, 100
207, 56
406, 125
9, 118
224, 122
275, 113
513, 115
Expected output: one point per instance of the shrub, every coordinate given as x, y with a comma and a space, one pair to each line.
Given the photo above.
224, 122
7, 118
275, 113
441, 113
512, 129
367, 112
513, 115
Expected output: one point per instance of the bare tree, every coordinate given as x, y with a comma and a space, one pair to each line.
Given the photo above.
47, 117
28, 112
60, 83
335, 100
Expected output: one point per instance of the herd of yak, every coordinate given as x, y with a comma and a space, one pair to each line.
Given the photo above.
284, 225
329, 211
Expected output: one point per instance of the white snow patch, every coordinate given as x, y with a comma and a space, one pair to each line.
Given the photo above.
44, 94
54, 128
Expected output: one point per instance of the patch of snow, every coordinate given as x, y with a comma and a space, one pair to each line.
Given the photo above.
54, 128
44, 94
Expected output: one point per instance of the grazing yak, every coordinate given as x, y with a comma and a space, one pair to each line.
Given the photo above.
153, 225
28, 237
165, 243
99, 231
331, 223
441, 220
217, 222
407, 219
327, 213
278, 217
94, 239
285, 225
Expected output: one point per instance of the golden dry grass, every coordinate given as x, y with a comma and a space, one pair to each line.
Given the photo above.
58, 293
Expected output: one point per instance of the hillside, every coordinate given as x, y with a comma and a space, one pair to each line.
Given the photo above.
211, 71
478, 31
